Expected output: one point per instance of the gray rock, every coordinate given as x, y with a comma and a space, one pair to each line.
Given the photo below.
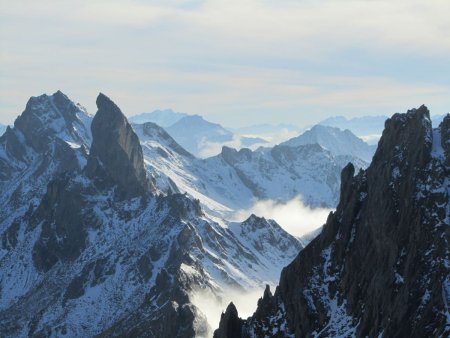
116, 152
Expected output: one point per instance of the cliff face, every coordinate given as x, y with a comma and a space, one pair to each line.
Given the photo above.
116, 151
380, 265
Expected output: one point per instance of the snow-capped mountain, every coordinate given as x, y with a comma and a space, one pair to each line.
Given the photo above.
198, 136
88, 247
369, 128
163, 118
236, 179
51, 136
380, 267
335, 140
284, 172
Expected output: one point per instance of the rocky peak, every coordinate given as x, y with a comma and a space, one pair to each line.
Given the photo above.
116, 151
47, 116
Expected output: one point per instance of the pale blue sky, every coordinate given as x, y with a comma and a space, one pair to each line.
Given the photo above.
235, 62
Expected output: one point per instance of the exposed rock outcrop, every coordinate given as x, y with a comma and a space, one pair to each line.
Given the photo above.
380, 266
116, 152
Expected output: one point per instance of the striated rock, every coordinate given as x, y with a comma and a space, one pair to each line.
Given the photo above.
116, 152
380, 265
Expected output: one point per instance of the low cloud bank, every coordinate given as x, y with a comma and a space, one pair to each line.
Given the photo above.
293, 216
212, 305
208, 148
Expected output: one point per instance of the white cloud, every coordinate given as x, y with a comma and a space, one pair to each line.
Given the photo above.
293, 216
239, 60
208, 149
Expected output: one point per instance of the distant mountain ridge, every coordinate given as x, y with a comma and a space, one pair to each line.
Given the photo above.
365, 125
163, 118
337, 141
204, 139
234, 179
195, 134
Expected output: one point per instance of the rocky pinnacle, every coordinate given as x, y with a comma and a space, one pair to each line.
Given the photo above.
116, 150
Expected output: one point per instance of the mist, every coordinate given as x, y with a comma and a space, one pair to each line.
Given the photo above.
293, 216
209, 148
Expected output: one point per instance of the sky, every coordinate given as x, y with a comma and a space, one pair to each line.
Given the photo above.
234, 62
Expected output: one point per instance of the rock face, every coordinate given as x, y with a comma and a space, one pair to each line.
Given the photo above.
116, 151
380, 266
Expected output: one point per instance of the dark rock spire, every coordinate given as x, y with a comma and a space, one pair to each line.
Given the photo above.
116, 151
230, 324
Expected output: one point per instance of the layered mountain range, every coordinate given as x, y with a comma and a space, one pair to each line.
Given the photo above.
236, 179
89, 245
197, 135
111, 229
380, 266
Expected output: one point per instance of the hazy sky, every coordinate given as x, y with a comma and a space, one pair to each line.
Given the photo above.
235, 62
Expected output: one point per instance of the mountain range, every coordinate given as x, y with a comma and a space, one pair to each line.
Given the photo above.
198, 136
164, 118
339, 142
110, 228
236, 179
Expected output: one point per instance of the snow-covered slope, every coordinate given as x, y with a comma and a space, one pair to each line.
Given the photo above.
173, 169
163, 118
284, 172
99, 253
203, 138
335, 140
